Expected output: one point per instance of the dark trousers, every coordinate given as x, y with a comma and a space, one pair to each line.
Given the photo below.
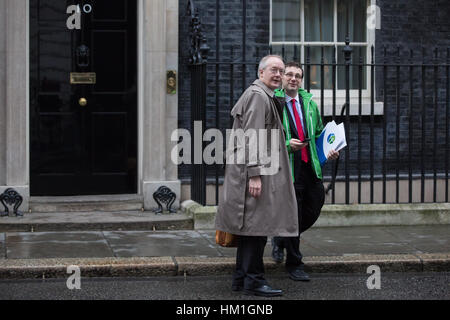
310, 195
249, 271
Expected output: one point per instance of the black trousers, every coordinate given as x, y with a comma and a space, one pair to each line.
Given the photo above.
310, 195
249, 271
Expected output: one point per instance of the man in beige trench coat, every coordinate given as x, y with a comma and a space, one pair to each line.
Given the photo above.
258, 197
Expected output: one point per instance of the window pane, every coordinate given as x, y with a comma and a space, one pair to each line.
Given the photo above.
290, 52
354, 68
352, 14
319, 24
286, 20
315, 71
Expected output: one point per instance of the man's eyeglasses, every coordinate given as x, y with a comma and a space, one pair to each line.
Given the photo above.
276, 70
289, 75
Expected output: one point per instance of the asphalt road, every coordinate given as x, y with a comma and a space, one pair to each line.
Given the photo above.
393, 286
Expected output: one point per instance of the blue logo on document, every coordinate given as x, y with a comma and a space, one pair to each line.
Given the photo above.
331, 138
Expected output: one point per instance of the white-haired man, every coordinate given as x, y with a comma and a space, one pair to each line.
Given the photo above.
257, 203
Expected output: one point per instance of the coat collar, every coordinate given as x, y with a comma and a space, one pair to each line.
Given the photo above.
301, 92
305, 94
266, 89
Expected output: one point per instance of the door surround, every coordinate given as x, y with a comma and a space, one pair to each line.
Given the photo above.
157, 112
83, 132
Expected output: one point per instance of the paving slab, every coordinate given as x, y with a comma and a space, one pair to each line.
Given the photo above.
210, 236
154, 244
306, 248
146, 253
424, 239
359, 240
56, 245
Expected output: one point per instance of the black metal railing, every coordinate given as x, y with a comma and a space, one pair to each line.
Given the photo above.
198, 58
395, 110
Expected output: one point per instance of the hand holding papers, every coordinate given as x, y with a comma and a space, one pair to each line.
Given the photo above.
331, 138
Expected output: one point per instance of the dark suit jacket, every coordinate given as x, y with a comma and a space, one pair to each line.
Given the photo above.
294, 135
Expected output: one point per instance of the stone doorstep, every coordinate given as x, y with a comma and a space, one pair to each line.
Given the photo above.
201, 266
90, 199
96, 221
186, 224
86, 203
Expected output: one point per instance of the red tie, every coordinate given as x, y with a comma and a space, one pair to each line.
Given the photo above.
301, 135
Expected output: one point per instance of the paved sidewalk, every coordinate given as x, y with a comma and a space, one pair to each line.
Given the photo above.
188, 252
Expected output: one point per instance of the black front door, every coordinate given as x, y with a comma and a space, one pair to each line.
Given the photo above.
83, 97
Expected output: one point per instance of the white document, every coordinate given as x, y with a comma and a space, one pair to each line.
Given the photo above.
331, 138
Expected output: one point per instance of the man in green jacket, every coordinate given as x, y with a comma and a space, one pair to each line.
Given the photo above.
303, 125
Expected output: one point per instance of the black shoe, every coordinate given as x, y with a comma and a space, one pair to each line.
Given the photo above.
277, 254
264, 291
299, 275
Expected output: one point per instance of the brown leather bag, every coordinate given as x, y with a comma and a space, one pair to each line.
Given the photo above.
225, 239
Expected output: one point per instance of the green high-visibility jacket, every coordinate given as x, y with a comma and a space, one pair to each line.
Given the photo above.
314, 127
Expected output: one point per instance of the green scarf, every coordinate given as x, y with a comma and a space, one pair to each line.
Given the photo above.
288, 139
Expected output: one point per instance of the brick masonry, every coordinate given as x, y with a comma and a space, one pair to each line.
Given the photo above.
405, 25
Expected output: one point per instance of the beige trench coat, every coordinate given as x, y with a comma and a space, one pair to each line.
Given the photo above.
274, 213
